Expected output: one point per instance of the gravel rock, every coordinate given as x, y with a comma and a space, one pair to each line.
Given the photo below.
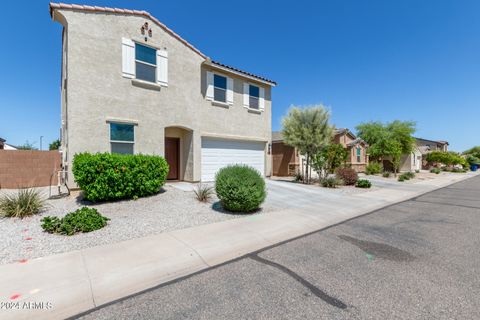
171, 209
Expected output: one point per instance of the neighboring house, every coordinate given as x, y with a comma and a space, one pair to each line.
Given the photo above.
426, 146
132, 85
5, 146
356, 147
286, 160
432, 145
411, 162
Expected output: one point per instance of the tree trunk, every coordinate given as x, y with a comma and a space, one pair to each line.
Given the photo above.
307, 178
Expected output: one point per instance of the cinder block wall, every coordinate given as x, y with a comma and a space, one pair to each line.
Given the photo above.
28, 168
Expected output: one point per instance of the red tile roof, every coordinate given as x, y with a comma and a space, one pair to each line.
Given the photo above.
65, 6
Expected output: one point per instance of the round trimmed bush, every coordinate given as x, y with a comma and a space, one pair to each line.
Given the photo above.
240, 188
348, 175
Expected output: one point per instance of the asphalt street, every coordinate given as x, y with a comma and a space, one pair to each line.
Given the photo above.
419, 259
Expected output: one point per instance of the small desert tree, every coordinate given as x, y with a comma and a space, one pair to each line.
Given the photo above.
392, 140
329, 158
55, 145
308, 130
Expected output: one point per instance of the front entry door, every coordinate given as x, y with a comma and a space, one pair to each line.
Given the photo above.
172, 155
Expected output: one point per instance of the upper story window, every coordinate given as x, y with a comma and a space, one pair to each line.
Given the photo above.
145, 63
254, 96
359, 154
219, 88
122, 138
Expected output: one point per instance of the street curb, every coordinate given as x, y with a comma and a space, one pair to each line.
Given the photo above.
114, 282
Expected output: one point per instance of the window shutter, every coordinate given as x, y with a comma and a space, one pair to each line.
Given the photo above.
230, 91
262, 99
128, 58
246, 95
209, 92
162, 67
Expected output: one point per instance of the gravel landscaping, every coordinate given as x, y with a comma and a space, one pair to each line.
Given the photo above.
170, 210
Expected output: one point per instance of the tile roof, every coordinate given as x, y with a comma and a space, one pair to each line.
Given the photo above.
147, 15
277, 136
244, 72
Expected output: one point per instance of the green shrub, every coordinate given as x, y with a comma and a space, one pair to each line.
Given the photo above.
298, 177
458, 170
435, 170
472, 160
363, 183
23, 203
105, 176
417, 171
386, 174
203, 192
409, 175
82, 220
331, 182
406, 176
348, 176
373, 168
240, 188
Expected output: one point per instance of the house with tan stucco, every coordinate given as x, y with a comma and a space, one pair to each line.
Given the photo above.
286, 160
130, 85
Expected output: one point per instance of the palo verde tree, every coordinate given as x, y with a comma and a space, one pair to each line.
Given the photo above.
388, 140
308, 130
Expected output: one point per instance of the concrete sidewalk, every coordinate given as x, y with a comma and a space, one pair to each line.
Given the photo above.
64, 285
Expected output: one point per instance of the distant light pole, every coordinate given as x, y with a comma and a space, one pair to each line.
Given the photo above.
41, 138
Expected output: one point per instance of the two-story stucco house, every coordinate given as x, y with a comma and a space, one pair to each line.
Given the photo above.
131, 85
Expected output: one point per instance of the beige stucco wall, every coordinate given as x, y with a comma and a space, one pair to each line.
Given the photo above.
97, 92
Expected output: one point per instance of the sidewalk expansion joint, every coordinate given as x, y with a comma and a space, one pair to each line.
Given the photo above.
89, 279
191, 248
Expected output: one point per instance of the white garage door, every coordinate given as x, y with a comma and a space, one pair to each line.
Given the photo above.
218, 153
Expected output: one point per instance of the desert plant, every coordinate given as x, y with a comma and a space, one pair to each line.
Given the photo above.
373, 168
363, 183
330, 182
417, 171
409, 174
203, 192
386, 174
298, 177
105, 176
458, 170
81, 220
23, 203
406, 176
308, 130
240, 188
348, 176
435, 170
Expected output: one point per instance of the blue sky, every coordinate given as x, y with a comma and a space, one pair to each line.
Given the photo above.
366, 60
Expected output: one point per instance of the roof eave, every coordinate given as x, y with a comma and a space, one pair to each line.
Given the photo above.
218, 66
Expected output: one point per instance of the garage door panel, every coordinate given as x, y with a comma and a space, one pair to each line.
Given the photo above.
218, 153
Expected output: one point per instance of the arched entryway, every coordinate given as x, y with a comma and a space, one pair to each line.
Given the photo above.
179, 152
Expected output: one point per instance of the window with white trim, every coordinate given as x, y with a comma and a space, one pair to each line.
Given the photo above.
219, 88
145, 63
254, 97
122, 138
359, 154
